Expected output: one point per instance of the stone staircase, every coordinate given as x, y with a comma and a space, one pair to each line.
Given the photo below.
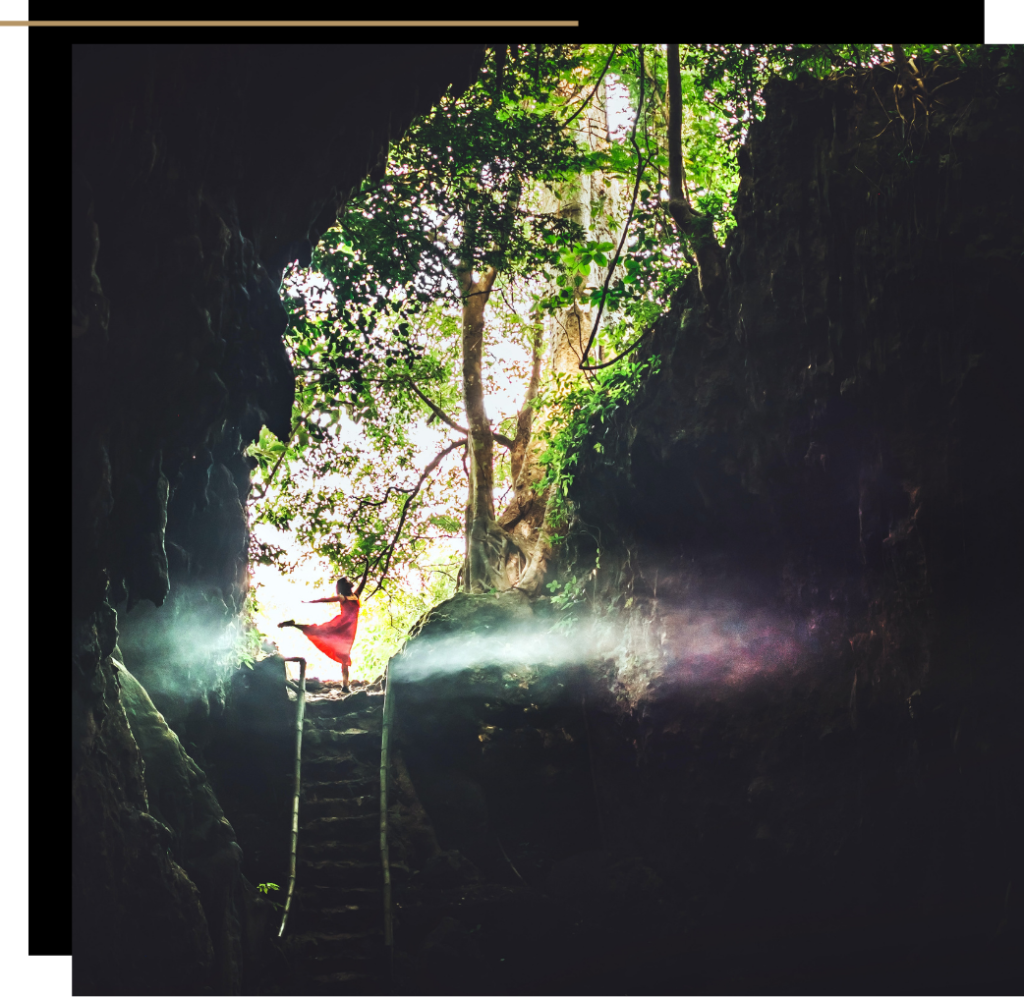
335, 932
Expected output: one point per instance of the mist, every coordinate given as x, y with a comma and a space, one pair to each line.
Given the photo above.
729, 644
183, 650
723, 644
523, 643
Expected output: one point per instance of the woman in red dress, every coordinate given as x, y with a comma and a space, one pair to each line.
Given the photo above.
335, 637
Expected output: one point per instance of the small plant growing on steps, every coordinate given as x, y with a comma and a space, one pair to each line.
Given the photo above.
265, 889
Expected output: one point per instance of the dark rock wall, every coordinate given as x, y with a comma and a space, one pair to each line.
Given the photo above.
786, 756
842, 433
137, 916
199, 837
831, 458
820, 476
198, 173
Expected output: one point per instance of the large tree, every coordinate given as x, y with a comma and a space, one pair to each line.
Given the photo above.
446, 226
433, 259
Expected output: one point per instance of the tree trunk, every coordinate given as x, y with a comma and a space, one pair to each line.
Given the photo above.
523, 518
696, 228
592, 202
485, 541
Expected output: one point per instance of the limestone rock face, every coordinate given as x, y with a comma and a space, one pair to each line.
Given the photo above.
793, 724
198, 173
806, 535
125, 878
837, 436
202, 839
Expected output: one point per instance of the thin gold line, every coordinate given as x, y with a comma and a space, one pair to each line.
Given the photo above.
290, 24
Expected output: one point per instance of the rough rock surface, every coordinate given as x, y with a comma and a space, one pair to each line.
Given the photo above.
790, 743
198, 173
201, 838
808, 549
838, 436
787, 750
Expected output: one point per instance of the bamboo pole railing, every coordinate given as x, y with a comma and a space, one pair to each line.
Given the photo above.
299, 717
385, 761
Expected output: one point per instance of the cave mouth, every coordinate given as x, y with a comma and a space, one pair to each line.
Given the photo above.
779, 747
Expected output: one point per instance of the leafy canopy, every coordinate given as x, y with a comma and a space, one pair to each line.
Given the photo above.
382, 313
380, 328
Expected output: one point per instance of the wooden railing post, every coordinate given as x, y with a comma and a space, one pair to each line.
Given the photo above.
300, 716
385, 761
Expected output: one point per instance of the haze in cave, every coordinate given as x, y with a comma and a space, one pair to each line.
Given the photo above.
662, 405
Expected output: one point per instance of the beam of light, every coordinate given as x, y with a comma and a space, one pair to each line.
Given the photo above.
724, 646
510, 645
183, 649
728, 645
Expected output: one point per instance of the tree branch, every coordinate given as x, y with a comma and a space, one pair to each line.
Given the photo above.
362, 581
377, 502
439, 412
390, 549
640, 165
524, 422
272, 473
590, 96
696, 228
676, 171
908, 70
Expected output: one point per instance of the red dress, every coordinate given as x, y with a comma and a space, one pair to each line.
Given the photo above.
335, 637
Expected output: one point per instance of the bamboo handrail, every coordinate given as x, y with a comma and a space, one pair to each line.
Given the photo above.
385, 744
299, 717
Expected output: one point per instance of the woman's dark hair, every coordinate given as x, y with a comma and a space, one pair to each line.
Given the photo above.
344, 586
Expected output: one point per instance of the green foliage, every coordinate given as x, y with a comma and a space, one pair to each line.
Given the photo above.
385, 623
360, 464
731, 78
578, 413
378, 312
451, 198
382, 317
246, 638
710, 164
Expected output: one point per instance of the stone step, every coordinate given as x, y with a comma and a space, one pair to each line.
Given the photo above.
341, 917
326, 962
316, 741
352, 703
353, 806
315, 899
368, 941
343, 873
337, 768
362, 827
357, 851
361, 719
342, 984
323, 952
314, 790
